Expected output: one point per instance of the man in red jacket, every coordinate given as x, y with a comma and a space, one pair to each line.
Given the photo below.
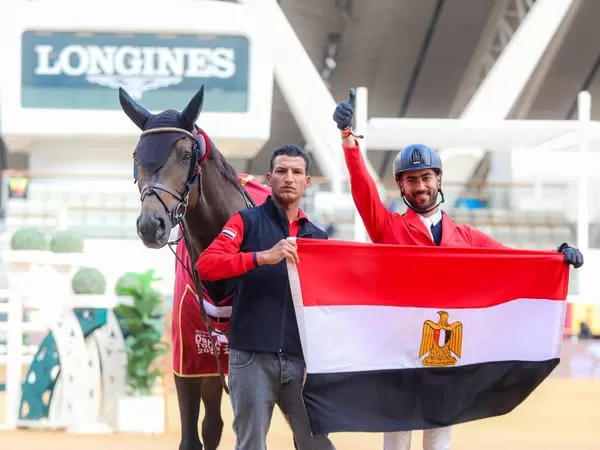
418, 174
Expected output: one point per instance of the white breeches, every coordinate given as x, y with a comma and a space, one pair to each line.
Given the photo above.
434, 439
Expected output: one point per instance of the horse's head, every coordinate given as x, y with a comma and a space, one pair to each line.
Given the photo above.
166, 163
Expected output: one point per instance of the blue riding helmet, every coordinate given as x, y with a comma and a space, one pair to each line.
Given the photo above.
417, 157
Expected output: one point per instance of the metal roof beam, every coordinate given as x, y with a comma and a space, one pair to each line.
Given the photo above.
523, 33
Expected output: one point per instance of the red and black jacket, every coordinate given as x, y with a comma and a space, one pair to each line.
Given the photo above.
263, 317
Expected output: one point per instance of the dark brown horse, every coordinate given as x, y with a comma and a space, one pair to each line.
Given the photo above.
184, 180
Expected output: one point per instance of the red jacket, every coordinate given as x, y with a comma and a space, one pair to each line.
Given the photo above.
386, 227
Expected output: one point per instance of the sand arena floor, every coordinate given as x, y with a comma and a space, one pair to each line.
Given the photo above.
562, 414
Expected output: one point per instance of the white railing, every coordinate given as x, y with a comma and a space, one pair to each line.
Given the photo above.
39, 300
15, 355
39, 321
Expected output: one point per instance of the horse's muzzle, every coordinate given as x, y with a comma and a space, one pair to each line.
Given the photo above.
153, 230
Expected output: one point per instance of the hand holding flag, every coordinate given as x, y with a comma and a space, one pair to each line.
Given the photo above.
284, 249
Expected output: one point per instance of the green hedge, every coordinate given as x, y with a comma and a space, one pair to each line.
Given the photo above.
28, 238
88, 280
66, 241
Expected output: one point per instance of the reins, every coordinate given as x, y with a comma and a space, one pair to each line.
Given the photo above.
177, 217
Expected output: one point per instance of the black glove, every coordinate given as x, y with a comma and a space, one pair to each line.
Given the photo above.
344, 111
572, 255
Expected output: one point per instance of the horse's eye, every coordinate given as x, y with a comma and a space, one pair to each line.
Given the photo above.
187, 156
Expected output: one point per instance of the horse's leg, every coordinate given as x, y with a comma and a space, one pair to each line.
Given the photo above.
188, 397
212, 425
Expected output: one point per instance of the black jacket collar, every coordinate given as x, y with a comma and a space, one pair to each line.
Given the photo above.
278, 212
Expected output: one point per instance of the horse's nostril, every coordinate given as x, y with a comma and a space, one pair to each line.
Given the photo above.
161, 223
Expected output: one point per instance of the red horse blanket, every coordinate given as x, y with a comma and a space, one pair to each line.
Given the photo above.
193, 347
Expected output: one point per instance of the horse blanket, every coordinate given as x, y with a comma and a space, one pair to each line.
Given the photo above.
193, 347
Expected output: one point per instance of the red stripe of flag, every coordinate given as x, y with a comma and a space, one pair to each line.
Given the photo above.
336, 273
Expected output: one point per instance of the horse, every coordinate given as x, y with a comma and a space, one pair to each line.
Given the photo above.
185, 181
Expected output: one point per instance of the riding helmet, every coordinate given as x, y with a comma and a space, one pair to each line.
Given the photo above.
417, 157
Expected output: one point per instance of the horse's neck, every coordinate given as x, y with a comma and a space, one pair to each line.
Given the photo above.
211, 204
200, 232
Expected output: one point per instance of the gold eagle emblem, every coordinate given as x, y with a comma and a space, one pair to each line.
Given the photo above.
441, 342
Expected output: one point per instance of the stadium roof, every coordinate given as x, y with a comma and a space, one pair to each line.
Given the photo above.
421, 60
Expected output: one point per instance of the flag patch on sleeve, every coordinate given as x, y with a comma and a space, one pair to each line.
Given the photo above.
229, 233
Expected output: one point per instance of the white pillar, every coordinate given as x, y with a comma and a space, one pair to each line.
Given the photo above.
361, 119
584, 106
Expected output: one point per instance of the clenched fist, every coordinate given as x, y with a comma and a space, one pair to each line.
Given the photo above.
283, 249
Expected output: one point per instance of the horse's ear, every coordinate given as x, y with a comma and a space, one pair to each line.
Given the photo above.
136, 112
192, 111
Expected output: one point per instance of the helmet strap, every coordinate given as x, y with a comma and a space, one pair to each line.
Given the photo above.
423, 211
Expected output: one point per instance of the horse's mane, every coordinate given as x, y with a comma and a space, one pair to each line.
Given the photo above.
218, 289
226, 169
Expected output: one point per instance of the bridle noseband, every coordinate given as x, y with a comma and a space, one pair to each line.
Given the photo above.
175, 214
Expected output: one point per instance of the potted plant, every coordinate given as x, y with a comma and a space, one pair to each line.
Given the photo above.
88, 281
142, 318
66, 247
28, 246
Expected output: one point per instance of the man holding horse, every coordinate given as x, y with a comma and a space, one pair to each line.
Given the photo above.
266, 365
195, 348
418, 174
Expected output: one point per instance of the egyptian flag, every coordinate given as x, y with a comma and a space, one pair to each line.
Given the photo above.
405, 338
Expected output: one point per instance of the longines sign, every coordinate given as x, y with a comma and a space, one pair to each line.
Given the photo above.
79, 71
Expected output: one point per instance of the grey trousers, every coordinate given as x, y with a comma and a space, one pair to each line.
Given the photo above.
258, 382
433, 439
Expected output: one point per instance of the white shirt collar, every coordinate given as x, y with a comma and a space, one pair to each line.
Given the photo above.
431, 220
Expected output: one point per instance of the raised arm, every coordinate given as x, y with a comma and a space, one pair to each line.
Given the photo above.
364, 190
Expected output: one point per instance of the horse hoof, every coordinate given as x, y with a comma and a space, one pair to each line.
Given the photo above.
191, 446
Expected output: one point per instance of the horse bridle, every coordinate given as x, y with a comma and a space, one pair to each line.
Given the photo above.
200, 152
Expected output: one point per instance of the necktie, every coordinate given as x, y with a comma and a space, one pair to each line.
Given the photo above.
436, 232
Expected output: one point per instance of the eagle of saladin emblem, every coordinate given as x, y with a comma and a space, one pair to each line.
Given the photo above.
441, 342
